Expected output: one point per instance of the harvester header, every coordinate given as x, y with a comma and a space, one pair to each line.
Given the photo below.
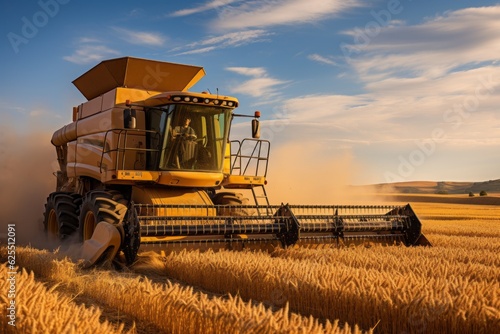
147, 162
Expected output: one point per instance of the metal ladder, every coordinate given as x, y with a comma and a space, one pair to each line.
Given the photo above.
261, 200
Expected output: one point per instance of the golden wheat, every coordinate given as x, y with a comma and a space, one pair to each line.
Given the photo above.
450, 287
42, 310
363, 290
171, 307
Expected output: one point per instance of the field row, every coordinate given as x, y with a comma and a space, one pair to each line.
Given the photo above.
168, 306
41, 310
397, 291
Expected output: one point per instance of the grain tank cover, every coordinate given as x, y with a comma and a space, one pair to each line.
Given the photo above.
137, 73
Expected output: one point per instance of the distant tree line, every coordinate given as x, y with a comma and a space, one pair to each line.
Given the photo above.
481, 193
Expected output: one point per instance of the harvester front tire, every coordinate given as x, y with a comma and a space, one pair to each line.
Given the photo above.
113, 208
132, 239
100, 205
61, 215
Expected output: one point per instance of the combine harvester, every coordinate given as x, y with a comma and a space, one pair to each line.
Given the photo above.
147, 162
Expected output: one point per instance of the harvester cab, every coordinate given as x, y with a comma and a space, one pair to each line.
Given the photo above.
146, 162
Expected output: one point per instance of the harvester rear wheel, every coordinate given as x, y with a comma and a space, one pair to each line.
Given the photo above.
61, 215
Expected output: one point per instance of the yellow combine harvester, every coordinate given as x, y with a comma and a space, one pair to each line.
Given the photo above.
147, 162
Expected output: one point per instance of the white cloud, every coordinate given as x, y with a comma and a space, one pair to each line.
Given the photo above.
136, 12
214, 4
458, 110
89, 53
43, 113
261, 85
440, 74
140, 37
258, 87
233, 39
92, 50
236, 38
431, 49
11, 107
87, 40
320, 59
197, 51
412, 97
440, 131
249, 71
279, 12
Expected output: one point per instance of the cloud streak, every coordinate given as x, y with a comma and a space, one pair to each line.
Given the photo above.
260, 85
233, 39
140, 37
431, 49
93, 50
258, 14
211, 5
321, 59
90, 51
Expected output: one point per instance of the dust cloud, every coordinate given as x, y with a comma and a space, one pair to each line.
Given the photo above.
307, 173
27, 163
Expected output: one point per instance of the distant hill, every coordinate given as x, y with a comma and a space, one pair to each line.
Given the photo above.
434, 187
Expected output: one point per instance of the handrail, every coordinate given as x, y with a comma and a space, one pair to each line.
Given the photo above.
250, 164
123, 133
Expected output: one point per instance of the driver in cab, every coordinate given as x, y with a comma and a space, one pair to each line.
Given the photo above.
184, 131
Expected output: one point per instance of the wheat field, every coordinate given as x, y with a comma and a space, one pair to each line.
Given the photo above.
448, 288
166, 307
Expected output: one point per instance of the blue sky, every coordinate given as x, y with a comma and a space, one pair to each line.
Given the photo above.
357, 91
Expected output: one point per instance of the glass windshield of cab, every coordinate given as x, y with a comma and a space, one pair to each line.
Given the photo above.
194, 136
